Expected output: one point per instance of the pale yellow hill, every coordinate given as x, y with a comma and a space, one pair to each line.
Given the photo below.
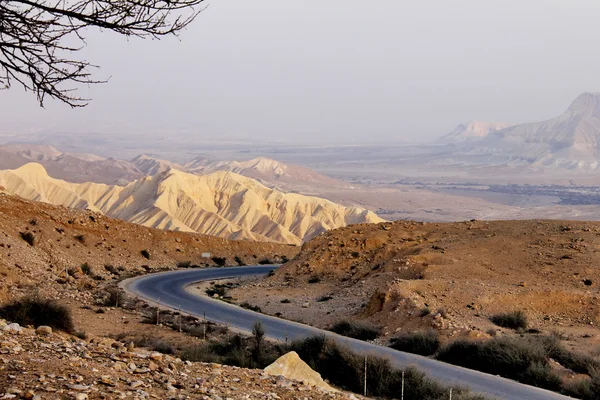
221, 204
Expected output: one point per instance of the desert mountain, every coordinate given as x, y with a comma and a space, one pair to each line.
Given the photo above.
265, 170
74, 167
221, 204
571, 140
473, 130
151, 166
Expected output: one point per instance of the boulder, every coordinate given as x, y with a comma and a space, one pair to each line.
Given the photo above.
291, 366
44, 330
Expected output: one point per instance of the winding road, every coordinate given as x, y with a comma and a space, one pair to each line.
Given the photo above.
169, 289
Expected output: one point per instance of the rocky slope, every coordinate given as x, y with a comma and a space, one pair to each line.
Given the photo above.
571, 140
40, 364
220, 204
406, 276
65, 239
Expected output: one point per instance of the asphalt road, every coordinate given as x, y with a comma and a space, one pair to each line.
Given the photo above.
169, 288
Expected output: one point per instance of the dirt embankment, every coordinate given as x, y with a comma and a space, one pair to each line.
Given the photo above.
46, 247
404, 276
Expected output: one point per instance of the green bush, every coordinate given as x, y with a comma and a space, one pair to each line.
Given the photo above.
86, 269
514, 320
424, 343
37, 311
524, 360
345, 369
355, 329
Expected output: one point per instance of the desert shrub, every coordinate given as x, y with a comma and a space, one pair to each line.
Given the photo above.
345, 369
184, 264
314, 279
36, 311
239, 261
250, 307
522, 360
324, 298
112, 269
86, 269
513, 320
145, 254
154, 344
284, 259
220, 261
111, 297
28, 237
80, 239
33, 222
425, 311
265, 261
285, 301
585, 389
355, 329
580, 363
220, 290
200, 353
424, 343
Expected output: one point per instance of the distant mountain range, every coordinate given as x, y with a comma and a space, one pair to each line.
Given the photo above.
473, 131
84, 167
221, 204
571, 140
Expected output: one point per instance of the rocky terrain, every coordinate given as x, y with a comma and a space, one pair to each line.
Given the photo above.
221, 204
74, 257
63, 240
407, 276
42, 364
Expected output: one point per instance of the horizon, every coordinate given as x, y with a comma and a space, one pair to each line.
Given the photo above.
339, 73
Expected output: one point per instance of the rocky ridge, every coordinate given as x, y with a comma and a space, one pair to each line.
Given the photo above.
221, 204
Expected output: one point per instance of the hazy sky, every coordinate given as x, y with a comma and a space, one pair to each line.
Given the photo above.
335, 70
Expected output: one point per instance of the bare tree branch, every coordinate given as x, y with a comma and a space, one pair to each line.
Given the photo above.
34, 33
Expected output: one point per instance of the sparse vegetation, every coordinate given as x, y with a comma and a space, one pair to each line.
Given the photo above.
28, 237
239, 261
516, 320
355, 329
285, 301
314, 279
184, 264
324, 298
145, 254
424, 343
345, 369
80, 238
37, 311
220, 261
265, 261
250, 307
522, 359
86, 269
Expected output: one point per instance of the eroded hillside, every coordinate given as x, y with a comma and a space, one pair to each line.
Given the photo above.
44, 243
221, 204
404, 276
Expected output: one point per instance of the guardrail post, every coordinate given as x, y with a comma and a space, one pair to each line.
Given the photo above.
158, 312
402, 393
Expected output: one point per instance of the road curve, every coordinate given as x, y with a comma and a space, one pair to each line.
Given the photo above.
170, 289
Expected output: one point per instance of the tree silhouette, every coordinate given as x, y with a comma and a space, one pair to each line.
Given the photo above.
39, 39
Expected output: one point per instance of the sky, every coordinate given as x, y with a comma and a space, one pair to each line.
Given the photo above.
333, 71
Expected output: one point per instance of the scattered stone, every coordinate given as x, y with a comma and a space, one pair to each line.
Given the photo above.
44, 330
